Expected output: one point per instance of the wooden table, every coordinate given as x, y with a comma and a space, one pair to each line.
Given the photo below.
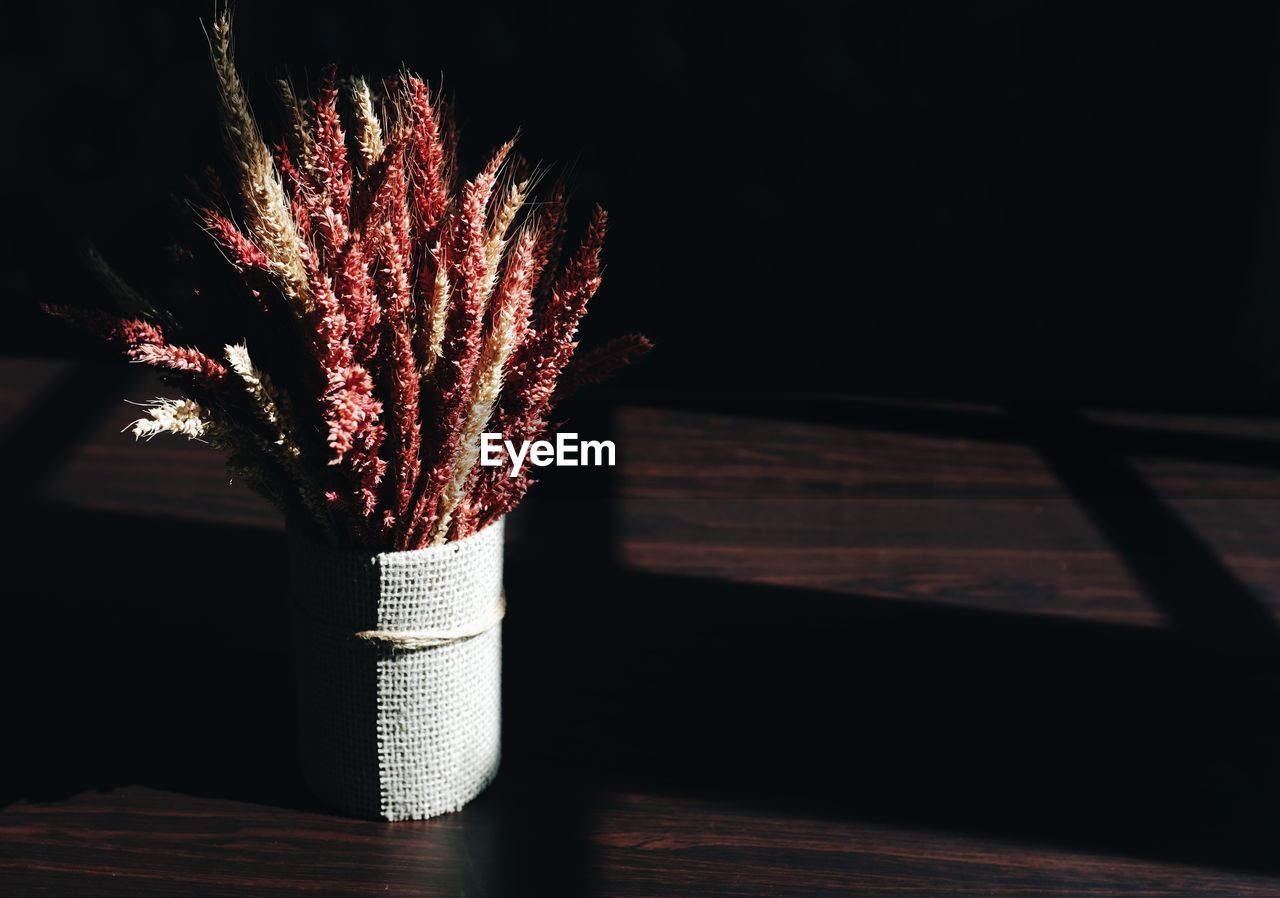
784, 648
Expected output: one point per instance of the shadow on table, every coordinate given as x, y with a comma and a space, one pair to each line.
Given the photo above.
1159, 743
1110, 738
145, 651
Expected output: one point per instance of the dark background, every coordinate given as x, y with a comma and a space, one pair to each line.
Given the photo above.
996, 199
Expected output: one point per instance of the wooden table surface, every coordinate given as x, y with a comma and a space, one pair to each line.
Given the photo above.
784, 648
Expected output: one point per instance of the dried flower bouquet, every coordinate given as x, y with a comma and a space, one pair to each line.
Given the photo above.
387, 315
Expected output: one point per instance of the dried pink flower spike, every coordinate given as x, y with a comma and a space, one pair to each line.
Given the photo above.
409, 308
142, 342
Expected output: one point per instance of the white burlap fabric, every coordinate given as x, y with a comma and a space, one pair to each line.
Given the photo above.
403, 721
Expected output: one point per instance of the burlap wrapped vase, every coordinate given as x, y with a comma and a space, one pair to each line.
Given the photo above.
399, 658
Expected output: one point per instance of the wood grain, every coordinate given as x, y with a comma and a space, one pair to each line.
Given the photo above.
654, 845
977, 523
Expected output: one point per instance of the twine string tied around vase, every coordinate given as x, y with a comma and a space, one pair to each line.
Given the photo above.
413, 640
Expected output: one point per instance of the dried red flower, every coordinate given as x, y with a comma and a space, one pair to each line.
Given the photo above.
396, 282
